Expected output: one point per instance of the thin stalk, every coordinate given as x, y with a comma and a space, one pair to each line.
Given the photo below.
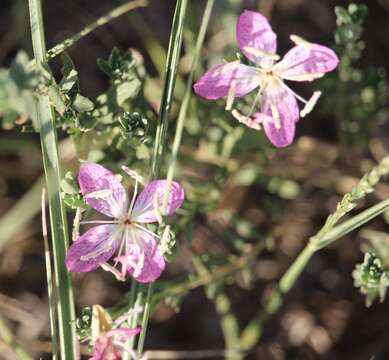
173, 56
172, 59
185, 103
132, 317
7, 336
353, 223
162, 126
50, 281
134, 324
145, 320
324, 237
254, 330
101, 21
59, 229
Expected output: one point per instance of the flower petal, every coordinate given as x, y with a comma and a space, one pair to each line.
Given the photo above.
143, 248
286, 105
306, 62
145, 210
93, 248
253, 32
122, 334
217, 82
102, 190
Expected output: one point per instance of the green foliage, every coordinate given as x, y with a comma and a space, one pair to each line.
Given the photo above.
84, 322
371, 278
17, 96
70, 192
357, 94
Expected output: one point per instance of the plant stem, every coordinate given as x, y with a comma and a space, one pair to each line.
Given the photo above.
172, 59
59, 230
254, 330
324, 237
353, 223
101, 21
7, 336
185, 103
50, 283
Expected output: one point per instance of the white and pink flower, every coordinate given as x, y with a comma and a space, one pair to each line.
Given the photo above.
279, 109
126, 237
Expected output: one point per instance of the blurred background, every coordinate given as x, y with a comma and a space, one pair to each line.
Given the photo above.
244, 191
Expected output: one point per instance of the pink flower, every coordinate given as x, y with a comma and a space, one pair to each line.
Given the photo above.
110, 345
279, 109
108, 339
126, 234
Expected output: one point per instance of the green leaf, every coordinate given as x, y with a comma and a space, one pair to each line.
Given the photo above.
82, 104
127, 90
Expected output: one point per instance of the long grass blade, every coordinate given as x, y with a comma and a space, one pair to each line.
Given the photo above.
50, 281
59, 229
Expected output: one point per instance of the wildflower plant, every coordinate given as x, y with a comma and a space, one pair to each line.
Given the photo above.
130, 225
127, 235
279, 109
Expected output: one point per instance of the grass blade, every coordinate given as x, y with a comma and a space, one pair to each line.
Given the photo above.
59, 230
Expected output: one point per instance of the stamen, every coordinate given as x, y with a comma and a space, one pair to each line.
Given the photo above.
111, 269
133, 198
133, 174
261, 53
300, 41
255, 101
100, 222
137, 225
245, 120
122, 244
310, 104
231, 95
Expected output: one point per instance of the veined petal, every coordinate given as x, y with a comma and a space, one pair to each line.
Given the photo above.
93, 248
306, 62
284, 103
253, 32
102, 190
149, 203
142, 244
223, 79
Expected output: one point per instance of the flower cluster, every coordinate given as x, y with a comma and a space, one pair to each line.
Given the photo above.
127, 234
279, 111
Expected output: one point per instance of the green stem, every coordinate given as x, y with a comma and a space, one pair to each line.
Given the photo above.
254, 330
145, 320
351, 224
182, 115
132, 319
7, 336
59, 230
172, 59
134, 323
50, 283
101, 21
